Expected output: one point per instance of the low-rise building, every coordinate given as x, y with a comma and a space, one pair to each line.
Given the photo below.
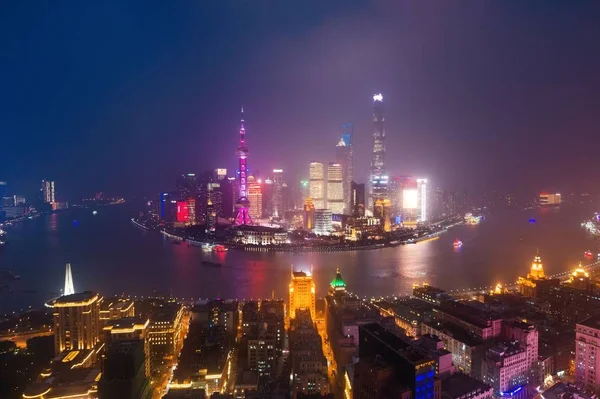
461, 386
260, 235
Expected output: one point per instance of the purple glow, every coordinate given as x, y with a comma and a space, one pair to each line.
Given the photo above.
242, 204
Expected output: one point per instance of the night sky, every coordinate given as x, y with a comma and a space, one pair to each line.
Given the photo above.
121, 96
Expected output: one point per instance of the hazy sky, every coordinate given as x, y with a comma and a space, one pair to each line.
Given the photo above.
122, 96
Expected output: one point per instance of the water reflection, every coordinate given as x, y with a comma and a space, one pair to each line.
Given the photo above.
110, 255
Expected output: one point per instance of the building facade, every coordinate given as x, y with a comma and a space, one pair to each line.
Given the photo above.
335, 188
317, 184
587, 354
76, 321
302, 293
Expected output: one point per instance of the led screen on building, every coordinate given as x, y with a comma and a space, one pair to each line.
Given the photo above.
410, 198
182, 211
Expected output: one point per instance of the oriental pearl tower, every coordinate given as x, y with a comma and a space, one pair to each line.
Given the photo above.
242, 205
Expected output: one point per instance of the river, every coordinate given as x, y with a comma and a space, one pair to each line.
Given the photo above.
110, 255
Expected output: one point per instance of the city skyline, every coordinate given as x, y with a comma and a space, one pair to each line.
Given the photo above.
446, 108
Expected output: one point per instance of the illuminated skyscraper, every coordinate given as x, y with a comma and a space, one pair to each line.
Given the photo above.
302, 293
422, 193
345, 156
255, 197
277, 200
48, 191
357, 199
317, 184
378, 189
242, 205
187, 186
335, 188
69, 287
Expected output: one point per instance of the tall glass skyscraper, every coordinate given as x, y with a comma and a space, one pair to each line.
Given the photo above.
317, 184
378, 181
345, 157
335, 188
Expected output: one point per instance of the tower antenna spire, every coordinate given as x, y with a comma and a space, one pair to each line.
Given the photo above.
69, 287
242, 205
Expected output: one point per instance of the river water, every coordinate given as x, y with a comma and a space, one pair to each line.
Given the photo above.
110, 255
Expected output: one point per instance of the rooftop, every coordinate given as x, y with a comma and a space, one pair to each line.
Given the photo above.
591, 322
566, 391
455, 332
459, 384
81, 298
395, 343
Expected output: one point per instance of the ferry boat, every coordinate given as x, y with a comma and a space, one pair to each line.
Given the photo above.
207, 247
588, 254
220, 248
457, 243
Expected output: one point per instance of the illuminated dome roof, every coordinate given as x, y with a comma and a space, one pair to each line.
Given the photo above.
537, 269
338, 283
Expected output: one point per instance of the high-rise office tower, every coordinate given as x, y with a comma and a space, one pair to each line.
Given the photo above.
255, 197
267, 197
381, 210
48, 191
422, 198
3, 189
69, 287
187, 186
76, 321
277, 200
211, 216
378, 183
357, 199
335, 188
317, 184
302, 293
242, 205
345, 157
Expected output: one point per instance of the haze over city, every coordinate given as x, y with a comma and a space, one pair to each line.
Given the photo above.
260, 199
121, 97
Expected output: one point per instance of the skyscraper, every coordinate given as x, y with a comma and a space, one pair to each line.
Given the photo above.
422, 193
255, 197
69, 287
277, 200
378, 189
187, 186
48, 191
345, 156
317, 184
335, 188
357, 199
302, 293
242, 205
309, 214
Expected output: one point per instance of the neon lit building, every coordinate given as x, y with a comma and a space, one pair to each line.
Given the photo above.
335, 188
317, 184
242, 205
255, 196
182, 211
48, 191
76, 321
302, 293
378, 160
